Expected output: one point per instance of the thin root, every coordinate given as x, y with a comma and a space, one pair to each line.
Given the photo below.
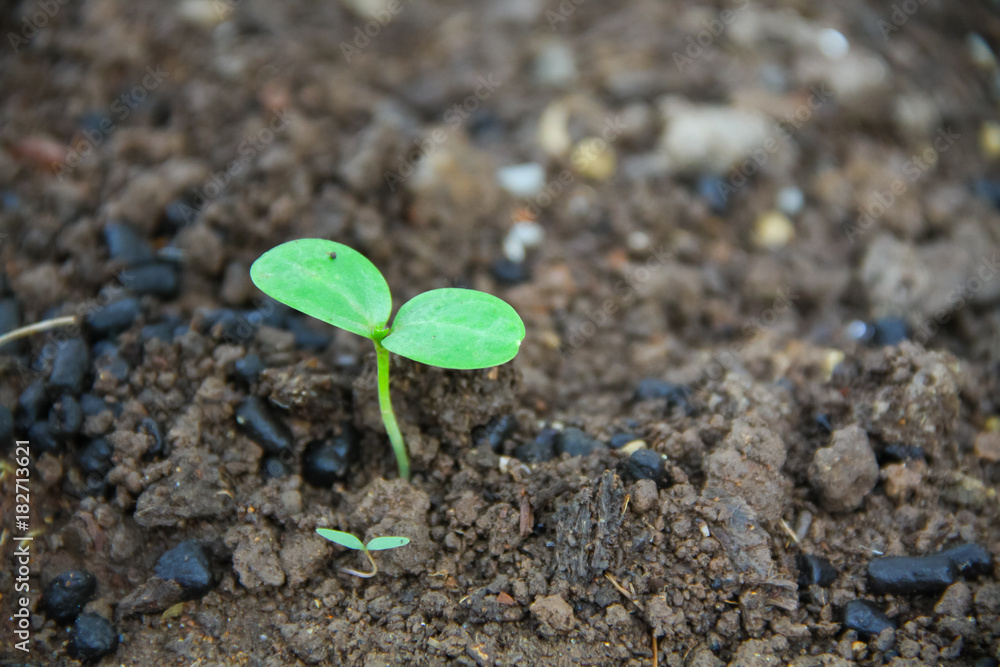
363, 575
38, 327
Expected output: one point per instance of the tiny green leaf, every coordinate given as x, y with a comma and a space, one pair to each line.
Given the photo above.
456, 328
341, 538
379, 543
328, 281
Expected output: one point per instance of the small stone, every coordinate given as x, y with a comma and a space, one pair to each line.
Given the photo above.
713, 189
248, 369
522, 180
897, 451
911, 575
508, 272
815, 571
555, 64
33, 401
158, 449
594, 158
164, 331
846, 471
790, 200
70, 366
539, 450
113, 318
325, 462
773, 229
989, 139
256, 419
654, 388
202, 248
64, 597
554, 612
889, 331
125, 244
987, 446
188, 566
92, 638
94, 461
156, 278
495, 432
236, 284
865, 618
619, 440
711, 139
43, 439
956, 601
647, 464
971, 559
575, 442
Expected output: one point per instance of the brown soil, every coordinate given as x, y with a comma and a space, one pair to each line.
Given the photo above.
571, 561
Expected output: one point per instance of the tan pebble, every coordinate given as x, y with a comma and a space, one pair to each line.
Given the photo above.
987, 446
594, 158
989, 139
773, 229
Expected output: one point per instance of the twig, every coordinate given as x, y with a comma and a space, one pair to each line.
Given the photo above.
38, 327
656, 651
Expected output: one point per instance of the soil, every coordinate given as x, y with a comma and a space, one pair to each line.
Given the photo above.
659, 260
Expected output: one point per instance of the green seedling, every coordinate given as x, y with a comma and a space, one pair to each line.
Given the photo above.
351, 542
449, 328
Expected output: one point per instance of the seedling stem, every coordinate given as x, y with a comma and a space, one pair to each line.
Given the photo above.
388, 416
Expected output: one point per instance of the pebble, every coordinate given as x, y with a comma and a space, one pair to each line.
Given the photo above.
971, 559
307, 336
888, 331
92, 638
325, 462
94, 461
66, 416
789, 200
712, 189
619, 440
832, 43
93, 405
256, 419
43, 439
956, 601
575, 442
711, 139
274, 468
846, 471
773, 229
539, 450
187, 564
159, 447
522, 180
594, 158
177, 215
70, 366
164, 331
110, 367
125, 244
897, 451
495, 433
113, 318
989, 139
33, 401
987, 446
815, 571
65, 596
248, 369
865, 618
10, 319
523, 235
654, 388
988, 190
555, 64
647, 464
156, 279
508, 272
911, 575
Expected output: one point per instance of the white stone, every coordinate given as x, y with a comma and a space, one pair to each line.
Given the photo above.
522, 180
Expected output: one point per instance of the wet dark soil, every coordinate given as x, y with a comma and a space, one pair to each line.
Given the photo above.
782, 217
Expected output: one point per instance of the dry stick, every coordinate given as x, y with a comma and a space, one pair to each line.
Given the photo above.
38, 327
656, 651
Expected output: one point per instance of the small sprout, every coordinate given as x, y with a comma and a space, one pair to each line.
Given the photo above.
449, 328
352, 542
